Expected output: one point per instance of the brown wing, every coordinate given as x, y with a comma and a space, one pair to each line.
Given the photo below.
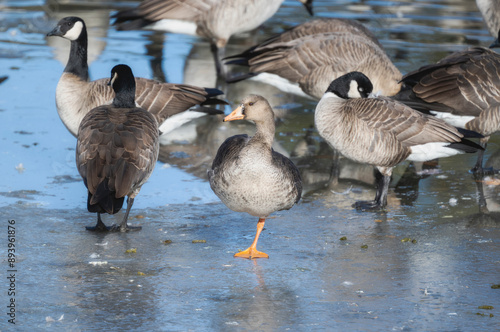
161, 99
314, 61
464, 83
408, 126
320, 26
166, 99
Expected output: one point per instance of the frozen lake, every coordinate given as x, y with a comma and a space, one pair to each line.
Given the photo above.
428, 263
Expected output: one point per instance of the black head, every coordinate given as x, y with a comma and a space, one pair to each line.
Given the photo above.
351, 85
70, 27
123, 82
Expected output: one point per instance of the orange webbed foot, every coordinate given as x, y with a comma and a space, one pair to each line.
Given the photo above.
251, 253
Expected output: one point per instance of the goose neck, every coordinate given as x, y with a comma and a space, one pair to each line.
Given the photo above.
77, 61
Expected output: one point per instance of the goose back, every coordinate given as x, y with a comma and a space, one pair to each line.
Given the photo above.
116, 152
312, 57
464, 84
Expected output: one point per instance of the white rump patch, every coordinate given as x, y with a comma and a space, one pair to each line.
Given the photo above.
281, 83
75, 31
429, 151
454, 120
174, 26
179, 119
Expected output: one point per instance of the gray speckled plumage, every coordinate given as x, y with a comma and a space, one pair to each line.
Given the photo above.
314, 53
463, 88
248, 175
381, 131
117, 150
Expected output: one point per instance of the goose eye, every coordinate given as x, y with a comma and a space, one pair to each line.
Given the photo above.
251, 103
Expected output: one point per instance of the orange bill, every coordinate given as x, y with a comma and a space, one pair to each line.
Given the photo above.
237, 114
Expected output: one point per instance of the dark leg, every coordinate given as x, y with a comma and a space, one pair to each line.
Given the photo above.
123, 226
380, 200
334, 170
478, 169
483, 208
218, 54
99, 227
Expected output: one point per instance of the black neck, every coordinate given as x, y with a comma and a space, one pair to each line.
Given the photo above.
125, 98
77, 62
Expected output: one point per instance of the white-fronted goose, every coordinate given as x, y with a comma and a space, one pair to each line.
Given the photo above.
216, 20
249, 176
313, 53
76, 95
463, 89
117, 150
381, 132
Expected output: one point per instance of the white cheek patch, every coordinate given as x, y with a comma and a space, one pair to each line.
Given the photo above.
454, 120
353, 90
74, 32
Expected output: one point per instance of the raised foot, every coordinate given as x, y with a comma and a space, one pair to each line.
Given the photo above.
373, 206
113, 228
251, 253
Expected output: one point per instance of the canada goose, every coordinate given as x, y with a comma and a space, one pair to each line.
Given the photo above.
76, 95
381, 132
313, 53
216, 20
463, 89
117, 150
249, 176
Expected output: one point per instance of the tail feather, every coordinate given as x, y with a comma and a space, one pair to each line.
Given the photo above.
466, 146
104, 200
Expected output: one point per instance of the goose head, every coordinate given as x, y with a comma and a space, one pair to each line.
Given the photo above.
253, 107
70, 28
123, 83
349, 86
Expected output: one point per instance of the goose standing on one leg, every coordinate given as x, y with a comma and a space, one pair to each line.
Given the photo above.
216, 20
381, 132
117, 150
76, 95
249, 176
463, 89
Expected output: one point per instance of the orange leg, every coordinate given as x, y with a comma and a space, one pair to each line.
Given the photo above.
252, 251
